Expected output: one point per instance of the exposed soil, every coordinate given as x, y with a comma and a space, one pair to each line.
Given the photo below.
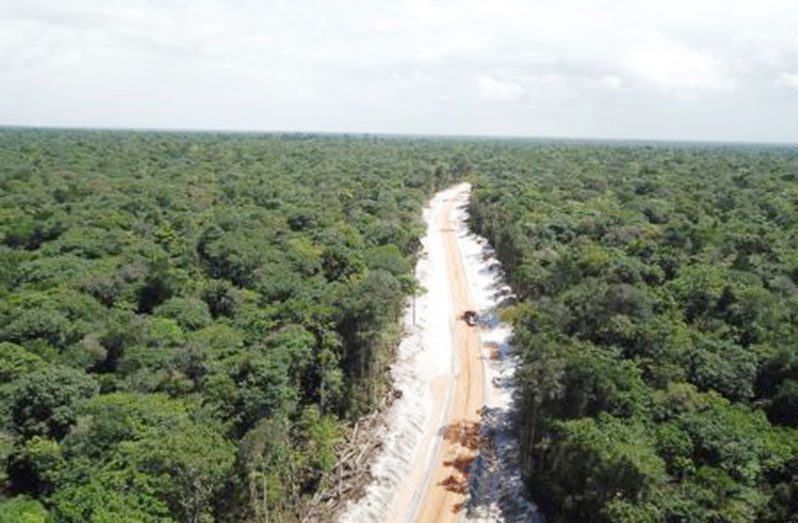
447, 487
449, 451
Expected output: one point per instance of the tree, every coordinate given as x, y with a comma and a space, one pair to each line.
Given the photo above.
190, 313
175, 465
16, 361
22, 509
45, 402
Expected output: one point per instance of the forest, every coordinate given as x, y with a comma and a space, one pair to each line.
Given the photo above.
657, 327
189, 321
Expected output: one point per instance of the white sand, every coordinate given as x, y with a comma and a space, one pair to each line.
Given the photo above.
496, 489
425, 361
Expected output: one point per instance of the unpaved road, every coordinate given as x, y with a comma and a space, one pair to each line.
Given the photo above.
445, 483
433, 431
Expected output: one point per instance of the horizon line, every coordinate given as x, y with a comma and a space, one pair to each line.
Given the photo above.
388, 134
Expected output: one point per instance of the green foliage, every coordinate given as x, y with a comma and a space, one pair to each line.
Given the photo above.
45, 402
237, 297
15, 362
6, 451
320, 434
22, 509
190, 314
214, 290
661, 291
596, 461
175, 464
109, 496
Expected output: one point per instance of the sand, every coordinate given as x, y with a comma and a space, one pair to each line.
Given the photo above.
434, 464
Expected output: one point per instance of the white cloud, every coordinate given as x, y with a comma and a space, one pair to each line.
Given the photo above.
500, 90
612, 82
405, 65
675, 68
788, 80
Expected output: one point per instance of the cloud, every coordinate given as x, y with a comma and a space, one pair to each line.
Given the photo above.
492, 89
611, 82
788, 80
450, 66
675, 68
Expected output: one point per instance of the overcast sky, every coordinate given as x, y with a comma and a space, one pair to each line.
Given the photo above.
674, 69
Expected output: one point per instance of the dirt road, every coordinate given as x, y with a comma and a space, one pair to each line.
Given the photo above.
446, 487
450, 386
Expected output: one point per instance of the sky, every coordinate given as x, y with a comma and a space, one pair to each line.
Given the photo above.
717, 70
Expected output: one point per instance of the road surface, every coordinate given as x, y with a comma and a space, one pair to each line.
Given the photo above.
442, 495
433, 432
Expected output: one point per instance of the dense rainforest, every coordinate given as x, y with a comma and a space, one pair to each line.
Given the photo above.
188, 321
657, 326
